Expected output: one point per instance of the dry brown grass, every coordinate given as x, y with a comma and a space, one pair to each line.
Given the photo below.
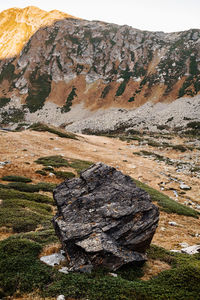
50, 249
153, 268
5, 233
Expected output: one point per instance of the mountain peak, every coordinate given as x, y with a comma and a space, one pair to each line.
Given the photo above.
17, 25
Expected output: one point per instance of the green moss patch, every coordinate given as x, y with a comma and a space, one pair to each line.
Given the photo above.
16, 178
31, 188
58, 161
79, 165
43, 127
64, 175
24, 215
55, 161
41, 172
21, 270
43, 237
4, 102
13, 194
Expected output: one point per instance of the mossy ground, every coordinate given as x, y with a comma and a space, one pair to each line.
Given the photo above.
22, 271
57, 131
16, 178
58, 161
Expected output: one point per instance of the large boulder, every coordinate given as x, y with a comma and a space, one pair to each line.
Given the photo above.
103, 219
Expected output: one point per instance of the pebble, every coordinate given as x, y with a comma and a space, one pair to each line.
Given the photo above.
184, 187
175, 193
64, 270
53, 259
113, 274
184, 245
3, 163
61, 297
191, 250
172, 223
51, 174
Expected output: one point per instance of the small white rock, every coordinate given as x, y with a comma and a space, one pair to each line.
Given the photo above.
175, 251
53, 259
191, 250
172, 223
64, 270
184, 245
185, 187
113, 274
51, 174
61, 297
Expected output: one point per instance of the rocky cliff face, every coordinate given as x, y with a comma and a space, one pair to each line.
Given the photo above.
99, 65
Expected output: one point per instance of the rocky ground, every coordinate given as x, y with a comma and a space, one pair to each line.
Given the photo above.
178, 179
150, 116
167, 163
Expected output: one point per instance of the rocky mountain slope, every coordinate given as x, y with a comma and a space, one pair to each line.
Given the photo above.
18, 25
94, 65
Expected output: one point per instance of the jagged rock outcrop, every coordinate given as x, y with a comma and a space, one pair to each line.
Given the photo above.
97, 65
103, 219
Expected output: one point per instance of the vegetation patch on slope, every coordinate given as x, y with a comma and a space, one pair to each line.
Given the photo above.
20, 256
57, 131
16, 178
24, 215
4, 101
70, 98
58, 161
39, 90
14, 194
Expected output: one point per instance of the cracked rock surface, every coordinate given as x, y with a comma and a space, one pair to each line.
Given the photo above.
103, 219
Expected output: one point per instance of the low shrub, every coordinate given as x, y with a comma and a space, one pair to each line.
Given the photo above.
43, 237
42, 127
41, 172
16, 178
23, 187
46, 186
24, 215
4, 102
55, 161
13, 194
64, 175
32, 188
79, 165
